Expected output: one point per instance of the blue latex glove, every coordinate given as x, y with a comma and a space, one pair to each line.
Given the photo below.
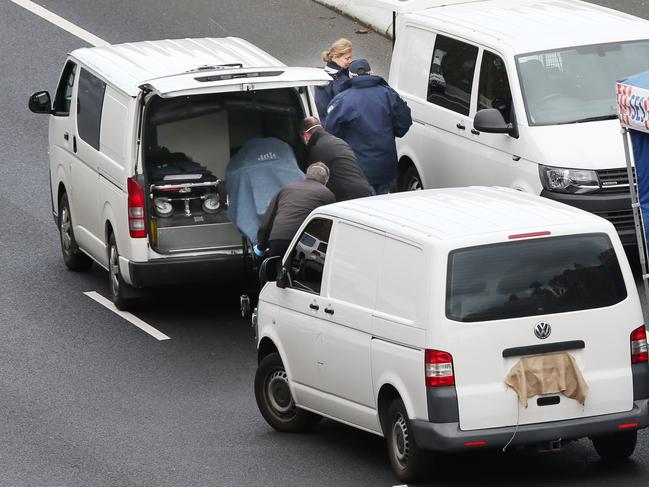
258, 252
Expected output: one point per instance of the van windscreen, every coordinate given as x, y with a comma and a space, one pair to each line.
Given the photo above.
533, 277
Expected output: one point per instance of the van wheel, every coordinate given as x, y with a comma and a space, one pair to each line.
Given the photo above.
275, 401
116, 284
74, 259
410, 180
617, 446
407, 459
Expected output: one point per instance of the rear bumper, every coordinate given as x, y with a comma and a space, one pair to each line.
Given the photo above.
448, 436
178, 270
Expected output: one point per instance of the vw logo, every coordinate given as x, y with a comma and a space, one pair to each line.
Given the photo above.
542, 330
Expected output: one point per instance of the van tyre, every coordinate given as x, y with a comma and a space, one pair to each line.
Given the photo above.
74, 259
408, 461
116, 285
275, 401
410, 180
615, 447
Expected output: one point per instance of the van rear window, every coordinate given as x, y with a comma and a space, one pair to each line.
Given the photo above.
533, 277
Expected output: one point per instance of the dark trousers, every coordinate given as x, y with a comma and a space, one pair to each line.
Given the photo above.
278, 247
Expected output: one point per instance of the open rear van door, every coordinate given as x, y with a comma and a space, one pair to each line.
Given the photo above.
239, 79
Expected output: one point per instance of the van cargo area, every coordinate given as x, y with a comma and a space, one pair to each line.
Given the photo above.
188, 142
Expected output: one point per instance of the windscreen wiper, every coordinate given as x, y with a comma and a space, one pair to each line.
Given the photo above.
595, 119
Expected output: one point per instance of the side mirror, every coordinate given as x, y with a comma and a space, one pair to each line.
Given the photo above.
491, 121
269, 269
40, 102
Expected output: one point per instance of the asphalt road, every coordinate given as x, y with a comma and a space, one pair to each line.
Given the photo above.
89, 400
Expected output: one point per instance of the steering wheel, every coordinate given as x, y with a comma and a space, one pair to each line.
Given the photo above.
551, 96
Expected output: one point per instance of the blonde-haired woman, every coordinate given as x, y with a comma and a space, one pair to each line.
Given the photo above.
338, 58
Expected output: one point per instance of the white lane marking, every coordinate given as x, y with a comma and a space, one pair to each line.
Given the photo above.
61, 22
127, 316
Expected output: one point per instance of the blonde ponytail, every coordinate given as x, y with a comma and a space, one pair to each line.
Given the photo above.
339, 48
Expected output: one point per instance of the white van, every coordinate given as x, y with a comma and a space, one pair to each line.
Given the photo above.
140, 137
518, 94
425, 301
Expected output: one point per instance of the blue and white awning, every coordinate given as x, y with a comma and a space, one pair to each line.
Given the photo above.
633, 102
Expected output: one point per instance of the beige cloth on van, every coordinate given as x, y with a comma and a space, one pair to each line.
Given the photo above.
547, 374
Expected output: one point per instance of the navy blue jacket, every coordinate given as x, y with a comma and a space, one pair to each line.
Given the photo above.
324, 94
368, 115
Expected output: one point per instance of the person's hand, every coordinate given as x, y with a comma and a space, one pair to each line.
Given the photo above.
258, 252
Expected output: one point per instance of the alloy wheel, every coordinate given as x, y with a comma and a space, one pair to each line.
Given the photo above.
66, 231
114, 270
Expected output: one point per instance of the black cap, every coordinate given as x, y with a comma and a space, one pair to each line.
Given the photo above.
360, 67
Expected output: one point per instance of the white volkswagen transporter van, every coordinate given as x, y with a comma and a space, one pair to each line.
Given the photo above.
139, 140
517, 93
421, 305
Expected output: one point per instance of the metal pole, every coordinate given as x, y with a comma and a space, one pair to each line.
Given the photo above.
637, 213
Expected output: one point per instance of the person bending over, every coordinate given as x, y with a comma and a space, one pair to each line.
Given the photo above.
290, 207
346, 179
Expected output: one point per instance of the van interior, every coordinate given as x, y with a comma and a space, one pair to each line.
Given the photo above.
188, 142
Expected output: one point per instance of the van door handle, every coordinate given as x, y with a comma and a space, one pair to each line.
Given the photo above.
475, 132
74, 144
66, 136
461, 126
329, 311
314, 306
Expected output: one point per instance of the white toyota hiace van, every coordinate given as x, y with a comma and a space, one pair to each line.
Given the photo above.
140, 137
518, 93
421, 305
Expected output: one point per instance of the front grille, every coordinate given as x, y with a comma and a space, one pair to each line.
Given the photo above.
622, 220
614, 181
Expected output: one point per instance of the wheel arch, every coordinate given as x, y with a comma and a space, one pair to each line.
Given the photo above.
406, 162
265, 348
388, 392
59, 175
61, 190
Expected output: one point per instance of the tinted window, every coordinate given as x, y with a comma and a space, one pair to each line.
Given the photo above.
493, 89
90, 103
451, 74
63, 96
534, 277
306, 262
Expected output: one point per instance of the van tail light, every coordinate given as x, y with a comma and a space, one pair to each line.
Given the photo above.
438, 369
136, 200
639, 346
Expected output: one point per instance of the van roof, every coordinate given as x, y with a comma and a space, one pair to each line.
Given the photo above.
129, 65
455, 213
536, 25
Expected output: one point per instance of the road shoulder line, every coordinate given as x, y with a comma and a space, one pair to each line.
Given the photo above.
61, 22
131, 318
